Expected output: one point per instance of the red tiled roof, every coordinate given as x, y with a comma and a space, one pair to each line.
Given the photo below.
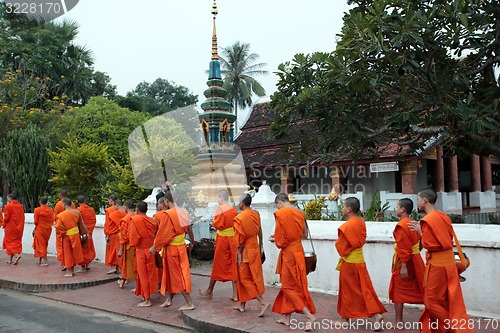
260, 150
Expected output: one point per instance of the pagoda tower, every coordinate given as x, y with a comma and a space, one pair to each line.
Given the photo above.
220, 163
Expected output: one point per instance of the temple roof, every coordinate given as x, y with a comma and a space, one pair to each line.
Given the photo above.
260, 150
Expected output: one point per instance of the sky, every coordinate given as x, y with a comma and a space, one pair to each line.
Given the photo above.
136, 41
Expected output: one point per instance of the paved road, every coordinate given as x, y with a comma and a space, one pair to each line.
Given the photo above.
20, 313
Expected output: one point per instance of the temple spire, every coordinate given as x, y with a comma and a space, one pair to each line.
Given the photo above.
215, 55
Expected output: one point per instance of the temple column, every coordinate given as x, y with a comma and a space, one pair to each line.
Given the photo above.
286, 180
439, 171
453, 174
487, 198
451, 200
409, 176
476, 196
475, 171
486, 174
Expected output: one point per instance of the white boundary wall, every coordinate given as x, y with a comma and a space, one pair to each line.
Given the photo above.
480, 242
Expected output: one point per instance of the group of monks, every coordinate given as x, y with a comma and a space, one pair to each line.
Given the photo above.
435, 284
150, 250
153, 251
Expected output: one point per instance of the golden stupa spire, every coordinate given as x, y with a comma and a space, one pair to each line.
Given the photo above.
215, 55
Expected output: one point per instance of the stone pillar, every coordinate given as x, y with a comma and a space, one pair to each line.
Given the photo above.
439, 171
409, 176
338, 179
486, 174
475, 171
286, 180
453, 174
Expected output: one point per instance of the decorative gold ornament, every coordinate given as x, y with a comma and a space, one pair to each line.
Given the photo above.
333, 196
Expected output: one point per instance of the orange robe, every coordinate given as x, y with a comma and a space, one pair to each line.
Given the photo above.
407, 250
142, 235
176, 276
57, 210
159, 271
67, 227
44, 220
89, 218
13, 223
111, 230
223, 267
128, 253
357, 298
443, 297
294, 294
249, 278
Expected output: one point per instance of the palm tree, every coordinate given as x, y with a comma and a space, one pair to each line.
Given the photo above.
239, 67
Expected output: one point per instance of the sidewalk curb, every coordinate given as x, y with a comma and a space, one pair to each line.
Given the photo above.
189, 328
47, 287
207, 327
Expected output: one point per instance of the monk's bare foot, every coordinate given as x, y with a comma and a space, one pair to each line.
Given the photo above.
205, 293
144, 304
45, 264
310, 323
377, 325
81, 270
397, 325
114, 271
9, 262
342, 323
16, 259
122, 283
234, 299
284, 321
186, 307
87, 267
63, 268
263, 309
133, 290
239, 307
166, 304
69, 275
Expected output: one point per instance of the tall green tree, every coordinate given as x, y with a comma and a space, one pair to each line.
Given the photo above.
48, 50
404, 72
238, 67
157, 97
81, 168
25, 163
102, 121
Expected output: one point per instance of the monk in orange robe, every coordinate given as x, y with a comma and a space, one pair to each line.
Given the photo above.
142, 234
294, 294
157, 217
13, 223
90, 219
58, 209
443, 299
224, 263
357, 297
44, 220
170, 239
67, 225
111, 230
249, 278
407, 278
126, 253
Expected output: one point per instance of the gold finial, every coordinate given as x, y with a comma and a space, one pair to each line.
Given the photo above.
215, 55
